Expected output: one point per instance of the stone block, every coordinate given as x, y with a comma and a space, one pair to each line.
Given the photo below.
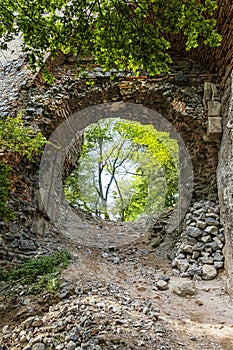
210, 93
214, 108
214, 125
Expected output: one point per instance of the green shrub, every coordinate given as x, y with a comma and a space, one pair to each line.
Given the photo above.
16, 137
41, 273
21, 140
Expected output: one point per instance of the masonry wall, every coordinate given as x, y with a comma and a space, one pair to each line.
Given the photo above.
178, 97
46, 107
220, 61
225, 178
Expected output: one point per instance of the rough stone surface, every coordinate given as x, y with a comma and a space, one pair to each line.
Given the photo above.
214, 126
208, 272
225, 179
184, 288
162, 285
178, 96
45, 107
201, 243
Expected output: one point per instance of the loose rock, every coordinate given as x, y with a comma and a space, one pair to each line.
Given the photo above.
209, 272
184, 288
201, 243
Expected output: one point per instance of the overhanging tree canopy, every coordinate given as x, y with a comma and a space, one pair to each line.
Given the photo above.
118, 34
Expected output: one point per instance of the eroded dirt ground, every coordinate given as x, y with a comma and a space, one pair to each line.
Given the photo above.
130, 273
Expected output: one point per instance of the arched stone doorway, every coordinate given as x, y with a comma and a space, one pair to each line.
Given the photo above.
177, 97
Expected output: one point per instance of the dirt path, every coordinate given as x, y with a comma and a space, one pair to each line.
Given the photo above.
130, 273
203, 321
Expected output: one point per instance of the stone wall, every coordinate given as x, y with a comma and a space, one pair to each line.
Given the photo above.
178, 97
225, 178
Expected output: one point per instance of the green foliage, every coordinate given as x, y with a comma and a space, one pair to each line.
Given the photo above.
14, 136
24, 142
163, 152
41, 273
125, 169
117, 33
137, 202
4, 188
47, 76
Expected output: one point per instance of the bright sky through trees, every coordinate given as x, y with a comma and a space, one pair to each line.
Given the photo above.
125, 169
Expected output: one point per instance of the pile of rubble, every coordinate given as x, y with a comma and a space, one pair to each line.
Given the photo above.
96, 317
198, 254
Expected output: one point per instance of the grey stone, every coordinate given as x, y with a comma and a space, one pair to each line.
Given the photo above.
38, 346
212, 214
202, 217
182, 265
195, 255
164, 278
219, 242
199, 211
206, 239
206, 260
218, 264
71, 345
218, 257
194, 270
213, 230
189, 240
199, 247
180, 256
201, 224
116, 260
205, 254
194, 232
175, 272
212, 246
184, 288
212, 222
209, 272
162, 285
187, 248
27, 245
197, 205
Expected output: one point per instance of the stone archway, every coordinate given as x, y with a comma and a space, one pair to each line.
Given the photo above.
65, 136
179, 101
178, 97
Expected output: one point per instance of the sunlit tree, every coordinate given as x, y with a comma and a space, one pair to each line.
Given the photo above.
116, 33
124, 171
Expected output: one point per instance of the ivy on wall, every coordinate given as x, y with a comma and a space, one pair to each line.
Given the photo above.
23, 142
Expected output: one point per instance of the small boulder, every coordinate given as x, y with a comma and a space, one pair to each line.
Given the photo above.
194, 232
184, 288
162, 285
209, 272
182, 264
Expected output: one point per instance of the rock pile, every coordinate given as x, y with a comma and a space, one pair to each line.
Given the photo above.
96, 317
198, 254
